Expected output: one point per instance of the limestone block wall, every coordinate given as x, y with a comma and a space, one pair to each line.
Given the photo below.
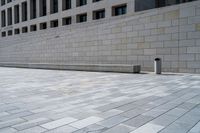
171, 33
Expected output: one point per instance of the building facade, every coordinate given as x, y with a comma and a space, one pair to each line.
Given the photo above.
53, 33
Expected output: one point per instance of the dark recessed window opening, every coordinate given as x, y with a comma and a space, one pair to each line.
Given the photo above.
3, 2
119, 10
24, 11
66, 4
3, 18
33, 9
96, 0
24, 29
43, 8
43, 26
9, 16
81, 2
141, 5
16, 14
54, 23
81, 18
53, 6
10, 32
3, 34
17, 31
33, 28
67, 21
99, 14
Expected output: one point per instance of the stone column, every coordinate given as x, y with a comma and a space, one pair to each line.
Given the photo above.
28, 10
13, 15
6, 18
48, 12
73, 6
20, 13
60, 11
37, 8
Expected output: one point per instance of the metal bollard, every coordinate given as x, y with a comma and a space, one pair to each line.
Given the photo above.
158, 65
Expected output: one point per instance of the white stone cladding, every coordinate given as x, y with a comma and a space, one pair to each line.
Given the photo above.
171, 33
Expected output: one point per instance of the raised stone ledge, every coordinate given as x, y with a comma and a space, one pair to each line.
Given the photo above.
124, 68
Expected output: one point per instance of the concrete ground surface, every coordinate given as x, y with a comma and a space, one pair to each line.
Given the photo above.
51, 101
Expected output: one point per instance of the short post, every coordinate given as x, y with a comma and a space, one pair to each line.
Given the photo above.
158, 65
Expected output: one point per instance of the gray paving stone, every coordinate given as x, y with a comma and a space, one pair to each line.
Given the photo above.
92, 129
36, 129
121, 128
64, 129
8, 130
86, 122
195, 129
138, 121
113, 121
8, 123
148, 128
31, 123
58, 123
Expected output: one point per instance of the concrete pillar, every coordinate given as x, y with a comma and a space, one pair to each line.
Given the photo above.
13, 15
6, 18
73, 6
28, 10
20, 13
37, 8
48, 12
60, 11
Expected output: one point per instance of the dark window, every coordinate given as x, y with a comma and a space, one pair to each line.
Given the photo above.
17, 31
81, 2
141, 5
24, 29
54, 23
67, 21
9, 16
43, 8
24, 11
3, 34
54, 6
3, 2
43, 26
99, 14
10, 33
8, 1
3, 18
66, 4
33, 28
81, 18
119, 10
33, 9
16, 13
96, 0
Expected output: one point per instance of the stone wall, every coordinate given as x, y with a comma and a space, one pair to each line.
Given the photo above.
171, 33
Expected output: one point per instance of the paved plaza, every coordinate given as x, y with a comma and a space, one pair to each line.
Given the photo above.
51, 101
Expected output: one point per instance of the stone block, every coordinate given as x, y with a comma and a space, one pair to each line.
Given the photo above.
172, 15
149, 51
187, 57
171, 44
58, 123
198, 27
187, 12
86, 122
164, 24
194, 20
188, 43
187, 28
193, 50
